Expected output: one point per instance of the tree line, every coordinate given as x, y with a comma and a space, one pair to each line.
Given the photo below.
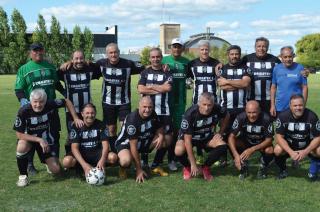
59, 44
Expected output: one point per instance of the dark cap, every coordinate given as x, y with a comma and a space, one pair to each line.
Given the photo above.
36, 46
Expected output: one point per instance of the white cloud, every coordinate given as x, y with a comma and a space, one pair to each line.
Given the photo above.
216, 25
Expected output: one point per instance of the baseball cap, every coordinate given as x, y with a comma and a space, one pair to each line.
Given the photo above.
176, 41
36, 46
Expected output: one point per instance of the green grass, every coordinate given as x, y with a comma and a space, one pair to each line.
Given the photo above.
72, 193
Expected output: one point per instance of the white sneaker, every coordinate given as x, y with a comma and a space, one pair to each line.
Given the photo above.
48, 170
23, 181
173, 166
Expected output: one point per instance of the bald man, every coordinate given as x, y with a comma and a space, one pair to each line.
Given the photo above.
252, 131
141, 132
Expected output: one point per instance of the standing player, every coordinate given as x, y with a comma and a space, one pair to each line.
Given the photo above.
156, 83
116, 88
177, 99
77, 81
252, 131
202, 71
297, 136
197, 127
89, 144
34, 128
140, 133
261, 64
37, 73
287, 80
233, 82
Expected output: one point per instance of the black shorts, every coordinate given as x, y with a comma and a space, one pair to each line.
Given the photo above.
166, 123
265, 105
112, 112
203, 144
141, 149
91, 158
53, 151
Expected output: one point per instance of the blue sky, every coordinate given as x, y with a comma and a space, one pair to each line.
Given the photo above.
237, 21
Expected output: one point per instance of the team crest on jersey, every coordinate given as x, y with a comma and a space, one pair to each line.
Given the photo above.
270, 130
318, 125
249, 71
169, 79
73, 134
278, 123
131, 130
235, 124
58, 102
184, 124
18, 122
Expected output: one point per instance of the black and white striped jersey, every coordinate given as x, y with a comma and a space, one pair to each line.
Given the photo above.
253, 132
235, 99
40, 124
77, 85
134, 127
261, 75
298, 132
116, 80
157, 77
203, 74
200, 126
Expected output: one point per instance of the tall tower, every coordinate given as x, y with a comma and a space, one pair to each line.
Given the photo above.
167, 33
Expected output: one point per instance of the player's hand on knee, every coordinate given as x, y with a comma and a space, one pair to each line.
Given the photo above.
44, 145
246, 154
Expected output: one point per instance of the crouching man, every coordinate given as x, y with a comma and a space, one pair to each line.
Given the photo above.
141, 132
89, 144
197, 129
35, 125
252, 131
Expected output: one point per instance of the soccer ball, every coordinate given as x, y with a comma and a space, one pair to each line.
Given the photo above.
95, 177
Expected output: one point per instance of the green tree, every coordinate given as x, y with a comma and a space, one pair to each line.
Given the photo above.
40, 34
214, 52
189, 55
66, 45
88, 43
76, 38
16, 53
4, 39
222, 55
55, 46
308, 50
144, 55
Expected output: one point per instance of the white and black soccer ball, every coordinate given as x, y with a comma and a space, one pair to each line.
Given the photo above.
95, 177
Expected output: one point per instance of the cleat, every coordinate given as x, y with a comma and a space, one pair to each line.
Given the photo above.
282, 174
32, 170
207, 173
312, 177
123, 173
160, 171
23, 181
186, 173
173, 166
244, 172
262, 172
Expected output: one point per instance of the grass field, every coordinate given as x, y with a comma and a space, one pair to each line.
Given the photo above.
72, 193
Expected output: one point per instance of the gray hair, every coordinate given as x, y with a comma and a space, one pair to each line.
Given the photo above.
287, 47
38, 93
157, 49
262, 39
206, 95
112, 45
203, 43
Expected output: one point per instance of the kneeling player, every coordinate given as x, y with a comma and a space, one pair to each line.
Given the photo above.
89, 144
197, 127
140, 133
34, 126
252, 131
297, 135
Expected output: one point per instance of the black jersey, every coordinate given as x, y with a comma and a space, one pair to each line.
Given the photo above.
134, 127
235, 99
253, 133
157, 77
203, 74
77, 85
89, 138
200, 126
261, 75
116, 80
40, 124
298, 132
